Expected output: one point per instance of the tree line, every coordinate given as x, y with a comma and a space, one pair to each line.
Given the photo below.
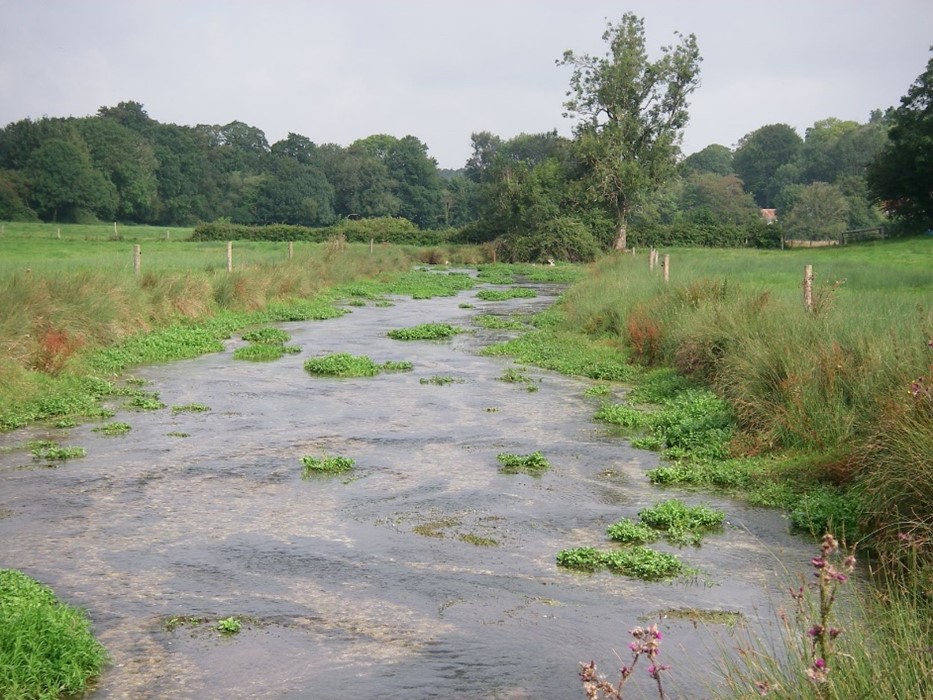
620, 180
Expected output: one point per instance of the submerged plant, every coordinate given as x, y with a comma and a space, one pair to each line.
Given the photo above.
397, 366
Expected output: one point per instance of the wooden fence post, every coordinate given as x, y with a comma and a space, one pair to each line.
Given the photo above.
229, 256
667, 268
371, 242
115, 232
291, 249
137, 255
168, 235
808, 288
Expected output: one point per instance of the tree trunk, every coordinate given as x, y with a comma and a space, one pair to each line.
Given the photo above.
621, 233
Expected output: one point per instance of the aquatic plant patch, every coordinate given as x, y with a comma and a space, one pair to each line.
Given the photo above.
145, 401
46, 647
534, 464
267, 335
425, 331
48, 451
396, 366
506, 294
494, 322
259, 352
328, 464
636, 562
113, 429
680, 523
568, 353
598, 390
190, 408
629, 532
441, 380
342, 364
229, 625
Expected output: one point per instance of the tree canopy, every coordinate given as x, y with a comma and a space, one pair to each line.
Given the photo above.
901, 176
631, 113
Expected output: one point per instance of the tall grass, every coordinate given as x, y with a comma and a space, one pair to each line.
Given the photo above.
82, 312
848, 383
46, 647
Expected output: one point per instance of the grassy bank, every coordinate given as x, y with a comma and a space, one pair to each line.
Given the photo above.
838, 397
72, 319
46, 647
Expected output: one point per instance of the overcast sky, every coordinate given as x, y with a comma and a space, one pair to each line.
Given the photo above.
443, 69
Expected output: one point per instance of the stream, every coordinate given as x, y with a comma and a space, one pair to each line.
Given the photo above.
378, 583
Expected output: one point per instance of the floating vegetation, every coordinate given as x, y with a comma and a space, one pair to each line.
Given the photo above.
425, 331
397, 366
267, 336
177, 434
637, 562
441, 380
505, 294
494, 322
113, 429
190, 408
229, 625
598, 390
48, 451
145, 401
333, 464
342, 364
534, 464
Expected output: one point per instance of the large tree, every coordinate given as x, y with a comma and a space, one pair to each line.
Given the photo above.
631, 113
901, 176
759, 157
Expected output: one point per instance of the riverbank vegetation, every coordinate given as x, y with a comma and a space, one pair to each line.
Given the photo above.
46, 647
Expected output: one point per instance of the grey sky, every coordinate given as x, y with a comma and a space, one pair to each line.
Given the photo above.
440, 70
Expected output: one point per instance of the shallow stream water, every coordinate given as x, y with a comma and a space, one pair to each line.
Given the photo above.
373, 584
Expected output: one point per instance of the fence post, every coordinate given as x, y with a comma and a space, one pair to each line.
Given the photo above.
667, 268
115, 233
291, 249
371, 242
229, 256
168, 235
808, 288
137, 255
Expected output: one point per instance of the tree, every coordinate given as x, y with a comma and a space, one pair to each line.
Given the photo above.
820, 213
632, 112
715, 158
720, 197
128, 160
65, 184
760, 154
901, 176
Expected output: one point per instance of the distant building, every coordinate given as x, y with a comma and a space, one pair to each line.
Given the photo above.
769, 215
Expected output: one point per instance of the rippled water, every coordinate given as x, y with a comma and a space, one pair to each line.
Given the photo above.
372, 585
